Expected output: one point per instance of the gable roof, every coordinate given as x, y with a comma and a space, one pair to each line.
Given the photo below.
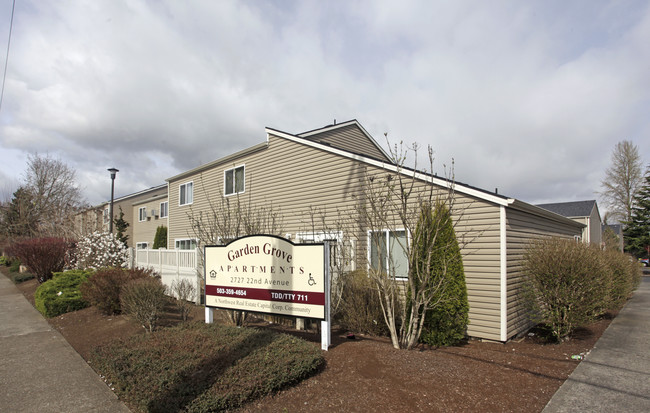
571, 209
349, 136
426, 177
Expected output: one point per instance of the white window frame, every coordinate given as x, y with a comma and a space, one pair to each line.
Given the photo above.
336, 255
387, 233
141, 245
142, 214
164, 206
234, 183
182, 240
107, 212
182, 190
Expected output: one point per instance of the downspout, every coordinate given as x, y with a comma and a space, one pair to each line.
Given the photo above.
503, 265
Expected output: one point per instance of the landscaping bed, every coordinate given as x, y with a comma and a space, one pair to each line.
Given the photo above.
367, 374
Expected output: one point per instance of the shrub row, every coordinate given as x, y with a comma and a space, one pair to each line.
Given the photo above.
61, 294
569, 284
198, 367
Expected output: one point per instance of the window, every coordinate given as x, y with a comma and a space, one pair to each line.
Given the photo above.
164, 209
186, 194
141, 245
142, 214
106, 218
234, 180
185, 244
387, 250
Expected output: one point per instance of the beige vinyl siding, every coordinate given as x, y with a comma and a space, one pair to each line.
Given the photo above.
521, 229
126, 203
351, 139
294, 177
145, 231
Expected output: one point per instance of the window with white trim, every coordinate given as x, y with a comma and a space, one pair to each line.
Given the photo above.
141, 245
164, 209
387, 252
106, 217
342, 250
186, 193
234, 180
142, 214
185, 244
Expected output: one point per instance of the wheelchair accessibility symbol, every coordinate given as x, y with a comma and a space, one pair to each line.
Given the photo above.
311, 280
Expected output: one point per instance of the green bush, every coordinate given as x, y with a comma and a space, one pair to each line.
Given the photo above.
567, 284
160, 239
199, 367
15, 265
104, 287
437, 254
360, 309
19, 277
61, 294
144, 299
5, 260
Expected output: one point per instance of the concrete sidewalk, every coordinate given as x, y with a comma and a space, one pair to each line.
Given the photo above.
615, 376
39, 370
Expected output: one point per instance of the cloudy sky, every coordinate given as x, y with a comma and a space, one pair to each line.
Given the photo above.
529, 97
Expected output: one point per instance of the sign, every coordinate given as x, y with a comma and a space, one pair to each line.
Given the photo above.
267, 274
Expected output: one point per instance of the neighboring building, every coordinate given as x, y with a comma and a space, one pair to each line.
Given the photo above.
585, 212
326, 169
148, 215
98, 218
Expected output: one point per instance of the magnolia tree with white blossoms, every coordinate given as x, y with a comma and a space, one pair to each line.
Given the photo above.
101, 249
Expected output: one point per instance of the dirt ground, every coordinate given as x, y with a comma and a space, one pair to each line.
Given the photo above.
366, 373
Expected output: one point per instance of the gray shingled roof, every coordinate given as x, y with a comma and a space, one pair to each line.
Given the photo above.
571, 209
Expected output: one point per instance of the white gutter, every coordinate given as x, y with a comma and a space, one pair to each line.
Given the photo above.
503, 265
394, 168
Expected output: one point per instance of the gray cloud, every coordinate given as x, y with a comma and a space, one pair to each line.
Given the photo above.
529, 97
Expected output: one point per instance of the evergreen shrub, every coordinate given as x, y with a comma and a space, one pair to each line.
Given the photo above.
199, 367
160, 239
446, 321
61, 294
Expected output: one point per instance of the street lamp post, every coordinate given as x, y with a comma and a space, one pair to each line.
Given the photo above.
113, 171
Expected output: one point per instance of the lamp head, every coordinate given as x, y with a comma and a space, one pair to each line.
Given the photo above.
113, 171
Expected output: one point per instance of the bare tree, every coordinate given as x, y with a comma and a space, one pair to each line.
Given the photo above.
339, 227
391, 204
55, 195
622, 181
230, 218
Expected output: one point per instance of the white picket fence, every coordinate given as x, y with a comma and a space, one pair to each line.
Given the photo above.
172, 265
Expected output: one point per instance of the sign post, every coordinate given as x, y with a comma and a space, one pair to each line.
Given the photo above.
325, 330
269, 274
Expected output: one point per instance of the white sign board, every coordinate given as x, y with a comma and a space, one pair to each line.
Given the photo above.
267, 274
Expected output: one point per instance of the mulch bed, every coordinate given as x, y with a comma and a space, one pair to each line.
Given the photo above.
367, 374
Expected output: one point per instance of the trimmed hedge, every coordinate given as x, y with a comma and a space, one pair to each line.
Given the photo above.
199, 367
61, 294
